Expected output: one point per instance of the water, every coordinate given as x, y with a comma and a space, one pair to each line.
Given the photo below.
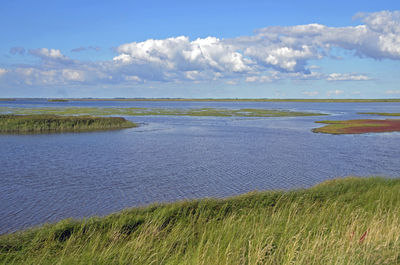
45, 178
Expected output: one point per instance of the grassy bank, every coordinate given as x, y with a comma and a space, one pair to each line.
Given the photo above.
239, 99
381, 113
359, 126
57, 100
215, 112
53, 123
346, 221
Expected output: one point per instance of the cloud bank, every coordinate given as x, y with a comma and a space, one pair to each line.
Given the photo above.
270, 54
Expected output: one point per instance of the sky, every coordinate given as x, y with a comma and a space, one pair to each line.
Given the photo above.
200, 49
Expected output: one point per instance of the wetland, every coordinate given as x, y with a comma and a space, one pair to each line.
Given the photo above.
47, 177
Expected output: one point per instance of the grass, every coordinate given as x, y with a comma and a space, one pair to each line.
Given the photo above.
380, 113
57, 100
359, 126
52, 123
343, 221
238, 99
218, 112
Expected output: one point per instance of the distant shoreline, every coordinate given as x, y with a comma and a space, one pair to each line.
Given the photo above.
321, 100
214, 112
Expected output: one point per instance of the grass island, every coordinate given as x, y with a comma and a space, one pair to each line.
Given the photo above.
380, 113
213, 112
57, 100
10, 123
359, 126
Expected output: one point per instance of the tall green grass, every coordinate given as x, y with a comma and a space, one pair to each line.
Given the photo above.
345, 221
53, 123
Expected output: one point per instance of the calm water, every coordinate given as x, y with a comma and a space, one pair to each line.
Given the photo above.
45, 178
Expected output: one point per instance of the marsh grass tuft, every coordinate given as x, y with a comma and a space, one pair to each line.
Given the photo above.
53, 123
343, 221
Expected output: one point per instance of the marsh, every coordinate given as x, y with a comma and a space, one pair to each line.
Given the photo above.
49, 177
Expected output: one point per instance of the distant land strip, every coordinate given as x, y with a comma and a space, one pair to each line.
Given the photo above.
380, 113
57, 100
214, 112
218, 99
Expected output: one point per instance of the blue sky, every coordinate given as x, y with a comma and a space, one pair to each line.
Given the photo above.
291, 49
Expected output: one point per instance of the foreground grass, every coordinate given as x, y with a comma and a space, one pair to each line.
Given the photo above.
359, 126
381, 113
345, 221
53, 123
218, 112
240, 99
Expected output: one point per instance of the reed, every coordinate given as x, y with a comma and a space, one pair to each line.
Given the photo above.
52, 123
343, 221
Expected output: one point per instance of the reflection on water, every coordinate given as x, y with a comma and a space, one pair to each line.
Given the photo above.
45, 178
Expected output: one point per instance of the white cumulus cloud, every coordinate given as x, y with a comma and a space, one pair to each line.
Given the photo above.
347, 77
270, 54
73, 75
182, 55
259, 79
47, 53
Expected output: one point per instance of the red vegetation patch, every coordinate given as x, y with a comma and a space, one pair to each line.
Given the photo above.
359, 126
373, 126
